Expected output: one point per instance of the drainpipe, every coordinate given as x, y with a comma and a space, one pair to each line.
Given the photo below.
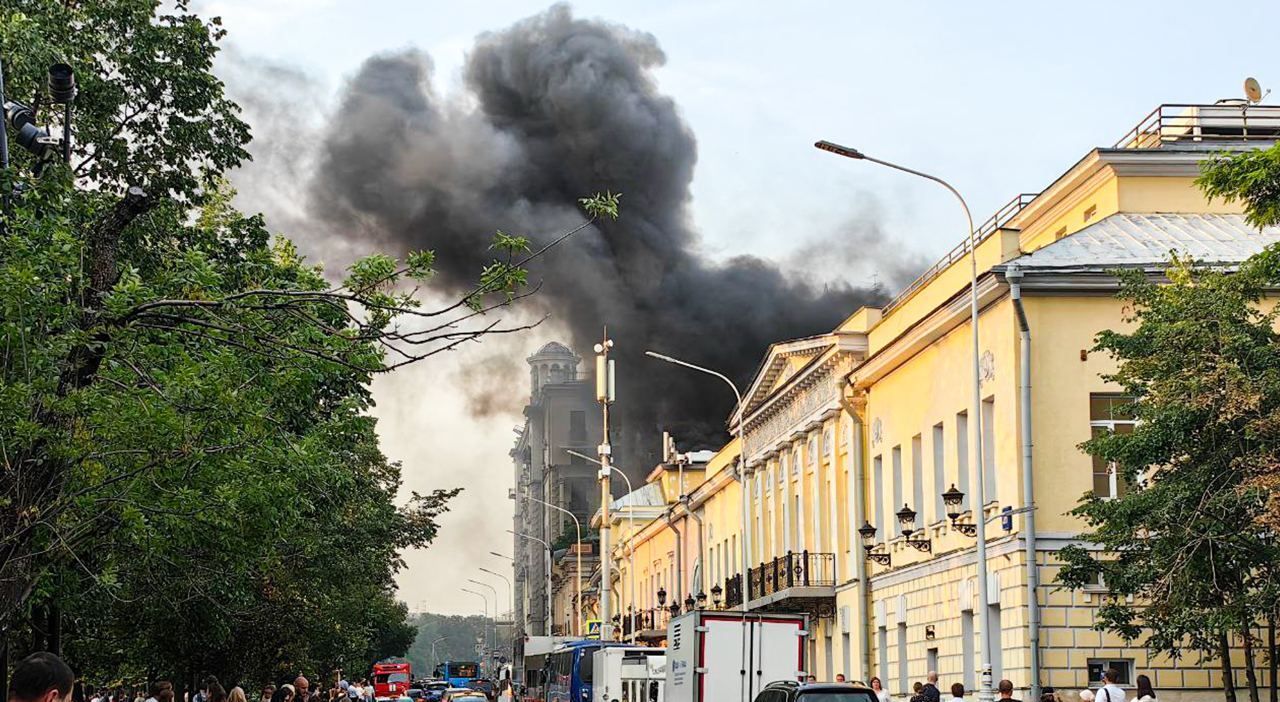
696, 588
1014, 278
861, 618
678, 581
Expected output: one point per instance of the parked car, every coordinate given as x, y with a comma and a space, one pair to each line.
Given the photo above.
485, 686
792, 691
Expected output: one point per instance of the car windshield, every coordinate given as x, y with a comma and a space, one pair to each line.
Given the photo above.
437, 686
835, 696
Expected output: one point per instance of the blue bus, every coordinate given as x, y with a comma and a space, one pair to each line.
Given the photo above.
457, 674
569, 671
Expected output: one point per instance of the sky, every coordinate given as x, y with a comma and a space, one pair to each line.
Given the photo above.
998, 98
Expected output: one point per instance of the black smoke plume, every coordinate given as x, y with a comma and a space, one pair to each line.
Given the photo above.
556, 108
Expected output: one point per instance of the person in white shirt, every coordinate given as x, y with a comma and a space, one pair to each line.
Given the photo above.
1110, 692
957, 692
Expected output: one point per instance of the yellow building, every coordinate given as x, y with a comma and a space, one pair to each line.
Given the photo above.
845, 429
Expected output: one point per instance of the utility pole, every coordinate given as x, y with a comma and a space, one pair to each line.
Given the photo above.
605, 395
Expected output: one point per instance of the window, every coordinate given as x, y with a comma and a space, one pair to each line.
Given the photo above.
989, 450
939, 476
917, 479
962, 464
577, 425
897, 491
1109, 414
1095, 583
1123, 666
877, 490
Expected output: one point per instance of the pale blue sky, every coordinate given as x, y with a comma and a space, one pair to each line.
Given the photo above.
999, 98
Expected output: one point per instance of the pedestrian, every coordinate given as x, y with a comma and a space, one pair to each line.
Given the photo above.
301, 689
957, 692
77, 691
1145, 692
1086, 696
216, 693
41, 677
839, 677
203, 694
237, 695
811, 679
1006, 691
930, 691
157, 688
284, 694
1110, 692
268, 693
916, 692
1048, 695
878, 688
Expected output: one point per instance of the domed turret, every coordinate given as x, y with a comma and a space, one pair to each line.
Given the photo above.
553, 363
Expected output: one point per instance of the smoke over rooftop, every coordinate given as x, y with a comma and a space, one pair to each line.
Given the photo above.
556, 108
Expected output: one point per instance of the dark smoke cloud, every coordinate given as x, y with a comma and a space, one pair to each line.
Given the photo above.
556, 108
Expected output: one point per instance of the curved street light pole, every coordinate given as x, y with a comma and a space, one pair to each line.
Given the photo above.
434, 659
742, 479
631, 530
493, 645
511, 594
547, 546
984, 689
486, 616
577, 525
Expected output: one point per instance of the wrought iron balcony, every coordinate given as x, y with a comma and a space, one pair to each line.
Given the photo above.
795, 582
733, 592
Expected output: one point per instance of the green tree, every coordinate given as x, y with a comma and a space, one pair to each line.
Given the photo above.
183, 400
1193, 543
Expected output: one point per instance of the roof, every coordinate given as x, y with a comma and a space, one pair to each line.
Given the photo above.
1134, 240
553, 348
648, 495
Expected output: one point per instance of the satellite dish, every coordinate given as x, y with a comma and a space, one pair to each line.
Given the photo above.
1252, 90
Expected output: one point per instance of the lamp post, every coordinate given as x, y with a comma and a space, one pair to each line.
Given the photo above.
435, 660
984, 687
742, 461
631, 533
742, 479
547, 546
486, 614
493, 644
577, 525
511, 595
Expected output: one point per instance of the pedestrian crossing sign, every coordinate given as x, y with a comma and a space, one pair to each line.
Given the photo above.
593, 629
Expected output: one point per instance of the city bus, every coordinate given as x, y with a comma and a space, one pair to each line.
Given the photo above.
569, 671
457, 674
391, 679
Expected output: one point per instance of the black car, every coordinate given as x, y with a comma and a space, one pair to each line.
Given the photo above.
792, 691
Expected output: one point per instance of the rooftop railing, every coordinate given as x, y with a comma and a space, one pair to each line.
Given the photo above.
1207, 125
984, 231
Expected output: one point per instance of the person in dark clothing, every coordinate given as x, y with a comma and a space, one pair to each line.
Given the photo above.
929, 693
1006, 691
41, 677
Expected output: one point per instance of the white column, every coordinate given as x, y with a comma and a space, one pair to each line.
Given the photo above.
833, 484
784, 464
798, 457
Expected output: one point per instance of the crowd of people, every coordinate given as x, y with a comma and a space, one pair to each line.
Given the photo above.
44, 677
1109, 692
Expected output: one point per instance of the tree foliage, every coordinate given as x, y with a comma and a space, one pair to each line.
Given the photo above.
190, 472
1189, 553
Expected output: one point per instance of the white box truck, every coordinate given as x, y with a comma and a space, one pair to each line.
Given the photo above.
731, 656
629, 674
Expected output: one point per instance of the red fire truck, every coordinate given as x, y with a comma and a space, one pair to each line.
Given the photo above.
391, 679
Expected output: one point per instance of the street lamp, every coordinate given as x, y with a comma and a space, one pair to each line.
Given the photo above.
742, 461
631, 526
662, 596
502, 555
547, 546
486, 612
868, 534
494, 643
689, 603
511, 593
907, 518
953, 498
702, 599
984, 688
716, 593
577, 525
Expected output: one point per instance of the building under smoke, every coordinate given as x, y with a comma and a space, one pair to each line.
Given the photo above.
562, 415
